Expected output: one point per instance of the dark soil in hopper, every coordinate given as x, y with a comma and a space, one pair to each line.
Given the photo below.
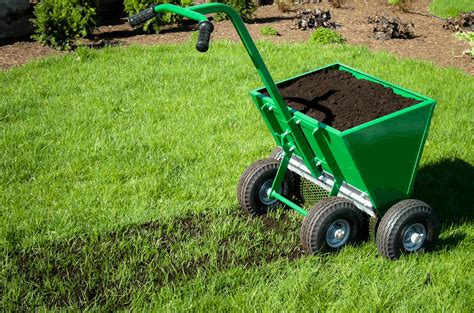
340, 100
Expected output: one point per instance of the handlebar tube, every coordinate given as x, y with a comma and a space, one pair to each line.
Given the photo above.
198, 13
299, 139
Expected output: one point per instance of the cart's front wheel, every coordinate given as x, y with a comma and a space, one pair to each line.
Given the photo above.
330, 225
256, 181
408, 226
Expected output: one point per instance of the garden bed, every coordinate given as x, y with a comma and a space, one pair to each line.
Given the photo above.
431, 42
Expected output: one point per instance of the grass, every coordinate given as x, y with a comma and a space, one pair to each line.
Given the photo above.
269, 31
451, 8
326, 36
118, 177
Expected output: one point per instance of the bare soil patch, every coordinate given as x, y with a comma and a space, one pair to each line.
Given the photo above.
431, 41
340, 100
19, 53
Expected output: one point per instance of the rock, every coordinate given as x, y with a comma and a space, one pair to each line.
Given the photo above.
390, 28
14, 19
465, 22
312, 19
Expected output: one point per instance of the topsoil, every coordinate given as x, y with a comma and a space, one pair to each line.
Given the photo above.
340, 100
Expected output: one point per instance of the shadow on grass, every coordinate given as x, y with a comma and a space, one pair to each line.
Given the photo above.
108, 269
447, 186
450, 241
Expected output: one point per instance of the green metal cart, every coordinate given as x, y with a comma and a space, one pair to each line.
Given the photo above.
364, 175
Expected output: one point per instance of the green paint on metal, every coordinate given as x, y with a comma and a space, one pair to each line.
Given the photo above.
180, 11
386, 154
420, 150
379, 157
280, 176
335, 188
289, 203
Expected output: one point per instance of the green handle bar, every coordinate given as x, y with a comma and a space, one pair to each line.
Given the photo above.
197, 13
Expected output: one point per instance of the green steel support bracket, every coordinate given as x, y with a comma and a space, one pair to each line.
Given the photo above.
335, 188
280, 175
289, 203
331, 161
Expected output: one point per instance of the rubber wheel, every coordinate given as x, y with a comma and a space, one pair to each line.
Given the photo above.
408, 226
330, 225
256, 180
373, 224
276, 153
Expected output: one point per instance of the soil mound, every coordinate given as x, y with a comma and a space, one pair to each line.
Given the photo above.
340, 100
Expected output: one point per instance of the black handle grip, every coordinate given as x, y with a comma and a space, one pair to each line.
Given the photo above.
142, 16
205, 30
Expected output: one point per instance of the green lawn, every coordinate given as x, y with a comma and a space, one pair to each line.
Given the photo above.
451, 8
118, 177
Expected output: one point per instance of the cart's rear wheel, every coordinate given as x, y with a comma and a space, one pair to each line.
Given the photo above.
330, 225
408, 226
373, 224
256, 181
276, 154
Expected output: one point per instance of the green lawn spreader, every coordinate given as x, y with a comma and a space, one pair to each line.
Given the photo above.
359, 179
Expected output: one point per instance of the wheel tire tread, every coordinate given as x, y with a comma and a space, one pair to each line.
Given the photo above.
250, 176
389, 227
314, 221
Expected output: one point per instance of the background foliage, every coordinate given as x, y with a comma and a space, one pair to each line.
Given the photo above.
59, 23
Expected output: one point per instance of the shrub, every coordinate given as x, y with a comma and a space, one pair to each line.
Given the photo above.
269, 31
469, 38
326, 36
153, 25
403, 5
245, 8
465, 36
59, 23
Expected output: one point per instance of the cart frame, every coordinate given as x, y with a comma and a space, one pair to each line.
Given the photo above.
339, 162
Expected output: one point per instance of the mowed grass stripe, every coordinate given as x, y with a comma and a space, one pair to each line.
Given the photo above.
106, 154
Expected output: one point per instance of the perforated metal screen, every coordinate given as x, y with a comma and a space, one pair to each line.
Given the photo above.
311, 193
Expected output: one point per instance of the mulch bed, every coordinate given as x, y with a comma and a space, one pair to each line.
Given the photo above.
431, 42
465, 22
340, 100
